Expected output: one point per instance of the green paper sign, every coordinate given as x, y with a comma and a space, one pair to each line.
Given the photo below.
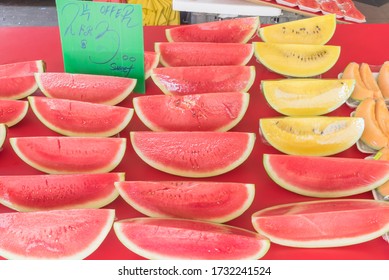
102, 38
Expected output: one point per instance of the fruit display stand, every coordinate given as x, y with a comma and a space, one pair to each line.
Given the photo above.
358, 43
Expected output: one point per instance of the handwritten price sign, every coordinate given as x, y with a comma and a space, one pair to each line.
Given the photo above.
102, 38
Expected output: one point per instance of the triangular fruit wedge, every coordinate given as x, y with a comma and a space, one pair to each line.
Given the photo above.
209, 201
238, 30
306, 97
70, 155
100, 89
296, 60
193, 112
325, 176
193, 154
17, 79
314, 30
311, 136
3, 133
12, 111
325, 223
383, 79
151, 62
203, 79
79, 118
178, 54
55, 234
157, 238
48, 192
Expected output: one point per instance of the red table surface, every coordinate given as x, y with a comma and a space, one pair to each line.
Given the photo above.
361, 43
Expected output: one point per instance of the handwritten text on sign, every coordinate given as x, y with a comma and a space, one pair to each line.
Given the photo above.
102, 38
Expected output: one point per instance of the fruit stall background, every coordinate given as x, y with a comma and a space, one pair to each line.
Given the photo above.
18, 13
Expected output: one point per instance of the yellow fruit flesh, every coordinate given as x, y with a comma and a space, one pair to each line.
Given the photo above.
372, 135
306, 97
315, 136
296, 60
315, 30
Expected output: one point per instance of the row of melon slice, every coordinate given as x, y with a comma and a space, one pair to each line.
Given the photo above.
18, 80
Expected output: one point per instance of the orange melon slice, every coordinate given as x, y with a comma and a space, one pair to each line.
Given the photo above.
382, 115
315, 136
372, 135
360, 91
369, 80
383, 79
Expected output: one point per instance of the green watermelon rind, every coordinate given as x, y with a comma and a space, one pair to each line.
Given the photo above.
155, 127
250, 188
194, 174
107, 133
272, 173
82, 254
113, 101
250, 81
244, 60
104, 169
129, 244
3, 134
321, 243
94, 204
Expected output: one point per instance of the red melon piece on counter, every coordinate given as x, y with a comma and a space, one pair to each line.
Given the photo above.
12, 111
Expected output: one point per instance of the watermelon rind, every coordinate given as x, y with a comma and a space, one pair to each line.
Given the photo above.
175, 204
25, 234
194, 172
174, 117
94, 108
3, 133
58, 86
324, 237
338, 184
207, 240
56, 164
16, 189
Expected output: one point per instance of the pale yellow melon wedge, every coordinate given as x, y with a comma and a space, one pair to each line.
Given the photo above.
311, 136
306, 97
314, 30
296, 60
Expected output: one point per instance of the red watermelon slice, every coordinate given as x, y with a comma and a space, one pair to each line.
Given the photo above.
12, 111
325, 176
70, 155
3, 134
203, 79
56, 234
151, 62
163, 238
78, 118
193, 154
351, 13
48, 192
331, 7
238, 30
208, 201
325, 223
309, 5
17, 79
100, 89
289, 3
201, 112
22, 68
192, 54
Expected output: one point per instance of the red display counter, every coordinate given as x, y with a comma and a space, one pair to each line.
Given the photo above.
359, 43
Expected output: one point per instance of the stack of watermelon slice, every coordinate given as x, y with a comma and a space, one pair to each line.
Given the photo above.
342, 8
